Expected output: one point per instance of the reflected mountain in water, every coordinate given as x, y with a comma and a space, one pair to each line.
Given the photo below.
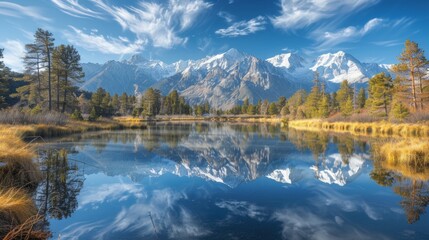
228, 154
232, 181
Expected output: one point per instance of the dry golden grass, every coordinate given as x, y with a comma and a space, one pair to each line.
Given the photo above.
16, 204
373, 129
26, 230
19, 173
409, 157
410, 151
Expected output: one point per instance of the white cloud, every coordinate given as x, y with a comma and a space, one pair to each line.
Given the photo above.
100, 43
243, 28
16, 10
110, 192
13, 54
244, 209
159, 23
348, 34
402, 22
73, 8
297, 14
388, 43
226, 16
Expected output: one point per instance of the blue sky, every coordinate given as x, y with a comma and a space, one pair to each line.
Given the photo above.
169, 30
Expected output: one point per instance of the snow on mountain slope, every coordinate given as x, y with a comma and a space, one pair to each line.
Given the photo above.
336, 67
336, 171
289, 61
228, 78
120, 76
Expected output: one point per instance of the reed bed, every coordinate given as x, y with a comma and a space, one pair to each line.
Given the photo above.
411, 152
372, 129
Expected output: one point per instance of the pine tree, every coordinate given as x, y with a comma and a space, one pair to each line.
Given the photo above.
409, 70
399, 111
151, 102
380, 91
93, 115
284, 111
124, 104
44, 41
313, 99
73, 73
347, 108
251, 109
343, 95
324, 107
33, 66
295, 102
281, 102
3, 81
272, 109
264, 107
361, 99
115, 104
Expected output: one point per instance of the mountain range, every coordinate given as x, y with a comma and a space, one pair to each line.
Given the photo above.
228, 78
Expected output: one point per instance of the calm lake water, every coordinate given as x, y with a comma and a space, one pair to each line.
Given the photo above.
226, 181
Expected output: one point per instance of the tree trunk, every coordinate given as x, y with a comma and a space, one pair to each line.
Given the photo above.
421, 90
49, 78
58, 91
413, 84
39, 88
65, 93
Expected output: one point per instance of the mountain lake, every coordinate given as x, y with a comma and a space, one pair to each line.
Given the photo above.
227, 181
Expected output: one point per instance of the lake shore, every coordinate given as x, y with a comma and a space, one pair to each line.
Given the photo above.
370, 129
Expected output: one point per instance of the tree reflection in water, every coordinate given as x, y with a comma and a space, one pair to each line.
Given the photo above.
336, 154
57, 193
409, 182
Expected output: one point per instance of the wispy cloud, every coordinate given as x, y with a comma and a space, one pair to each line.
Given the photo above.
388, 43
297, 14
13, 53
96, 42
73, 8
16, 10
245, 209
404, 22
348, 34
226, 16
159, 23
243, 28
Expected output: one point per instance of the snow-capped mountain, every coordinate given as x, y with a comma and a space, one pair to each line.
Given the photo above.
121, 76
228, 78
335, 171
336, 67
291, 62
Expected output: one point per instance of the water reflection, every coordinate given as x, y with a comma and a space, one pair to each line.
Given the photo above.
56, 195
223, 181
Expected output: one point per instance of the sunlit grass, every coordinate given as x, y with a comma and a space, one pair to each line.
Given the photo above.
17, 205
410, 151
374, 129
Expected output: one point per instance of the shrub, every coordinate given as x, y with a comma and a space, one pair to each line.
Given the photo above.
92, 115
399, 111
16, 116
76, 115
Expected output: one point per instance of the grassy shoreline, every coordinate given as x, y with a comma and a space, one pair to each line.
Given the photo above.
370, 129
